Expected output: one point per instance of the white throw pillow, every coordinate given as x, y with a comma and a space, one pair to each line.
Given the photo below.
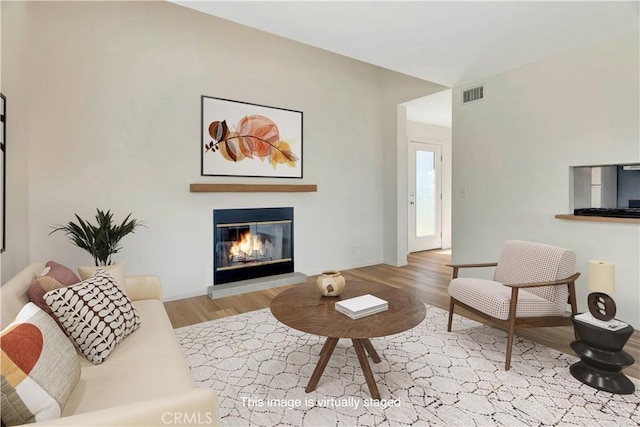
95, 313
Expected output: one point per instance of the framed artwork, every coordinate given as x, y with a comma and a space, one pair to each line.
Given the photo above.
244, 139
3, 170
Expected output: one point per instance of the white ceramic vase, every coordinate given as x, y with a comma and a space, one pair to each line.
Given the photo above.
331, 283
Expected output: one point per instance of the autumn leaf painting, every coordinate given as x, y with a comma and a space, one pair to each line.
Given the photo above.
255, 136
248, 142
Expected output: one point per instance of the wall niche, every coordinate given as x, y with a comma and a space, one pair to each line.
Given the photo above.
605, 186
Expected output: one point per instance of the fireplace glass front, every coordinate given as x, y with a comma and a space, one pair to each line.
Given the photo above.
251, 243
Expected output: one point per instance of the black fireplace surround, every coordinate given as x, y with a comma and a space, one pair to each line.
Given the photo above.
251, 243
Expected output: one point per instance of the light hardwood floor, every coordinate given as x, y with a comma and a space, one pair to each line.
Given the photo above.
427, 277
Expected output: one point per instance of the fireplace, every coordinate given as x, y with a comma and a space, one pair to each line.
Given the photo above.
251, 243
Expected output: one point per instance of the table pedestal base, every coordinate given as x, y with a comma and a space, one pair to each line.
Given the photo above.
602, 357
362, 347
612, 382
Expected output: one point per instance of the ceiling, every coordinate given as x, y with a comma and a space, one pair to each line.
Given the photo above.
452, 43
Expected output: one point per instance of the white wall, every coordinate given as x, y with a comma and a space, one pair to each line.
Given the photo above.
396, 211
114, 118
14, 39
426, 132
512, 153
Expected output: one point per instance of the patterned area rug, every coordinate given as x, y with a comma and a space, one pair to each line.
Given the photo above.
260, 368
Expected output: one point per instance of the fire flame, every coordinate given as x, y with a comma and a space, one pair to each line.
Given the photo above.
247, 246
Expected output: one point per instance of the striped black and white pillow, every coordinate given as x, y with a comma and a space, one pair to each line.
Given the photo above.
95, 313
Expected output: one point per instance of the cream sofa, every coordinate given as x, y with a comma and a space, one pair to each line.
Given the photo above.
144, 382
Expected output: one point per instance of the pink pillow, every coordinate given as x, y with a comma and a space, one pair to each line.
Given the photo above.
54, 276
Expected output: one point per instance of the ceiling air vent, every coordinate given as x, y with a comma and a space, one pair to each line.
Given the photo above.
473, 94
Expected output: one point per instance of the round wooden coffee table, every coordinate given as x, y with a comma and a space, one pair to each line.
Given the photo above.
303, 308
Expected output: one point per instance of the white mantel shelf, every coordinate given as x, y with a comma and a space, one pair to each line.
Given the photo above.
252, 188
598, 219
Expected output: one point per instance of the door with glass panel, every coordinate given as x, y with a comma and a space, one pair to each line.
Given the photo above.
425, 196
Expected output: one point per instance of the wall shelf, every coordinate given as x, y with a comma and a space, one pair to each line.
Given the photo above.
598, 219
252, 188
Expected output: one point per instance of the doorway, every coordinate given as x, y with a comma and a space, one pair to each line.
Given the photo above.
425, 196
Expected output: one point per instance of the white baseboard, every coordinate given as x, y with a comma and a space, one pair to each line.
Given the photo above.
396, 264
345, 267
184, 296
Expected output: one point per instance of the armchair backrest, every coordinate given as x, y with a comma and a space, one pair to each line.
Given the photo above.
525, 262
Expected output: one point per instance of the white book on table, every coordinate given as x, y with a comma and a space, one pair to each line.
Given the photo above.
361, 306
612, 325
362, 313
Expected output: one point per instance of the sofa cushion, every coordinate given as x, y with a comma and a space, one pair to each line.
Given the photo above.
116, 270
15, 293
526, 262
54, 276
40, 368
147, 365
96, 314
494, 298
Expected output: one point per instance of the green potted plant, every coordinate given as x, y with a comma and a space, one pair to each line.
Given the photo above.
100, 240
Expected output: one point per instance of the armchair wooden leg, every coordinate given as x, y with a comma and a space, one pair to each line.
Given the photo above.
574, 304
451, 304
512, 327
507, 363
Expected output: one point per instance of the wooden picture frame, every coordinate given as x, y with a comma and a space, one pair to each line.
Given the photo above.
3, 171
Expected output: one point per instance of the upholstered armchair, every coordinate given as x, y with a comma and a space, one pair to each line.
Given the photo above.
531, 287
